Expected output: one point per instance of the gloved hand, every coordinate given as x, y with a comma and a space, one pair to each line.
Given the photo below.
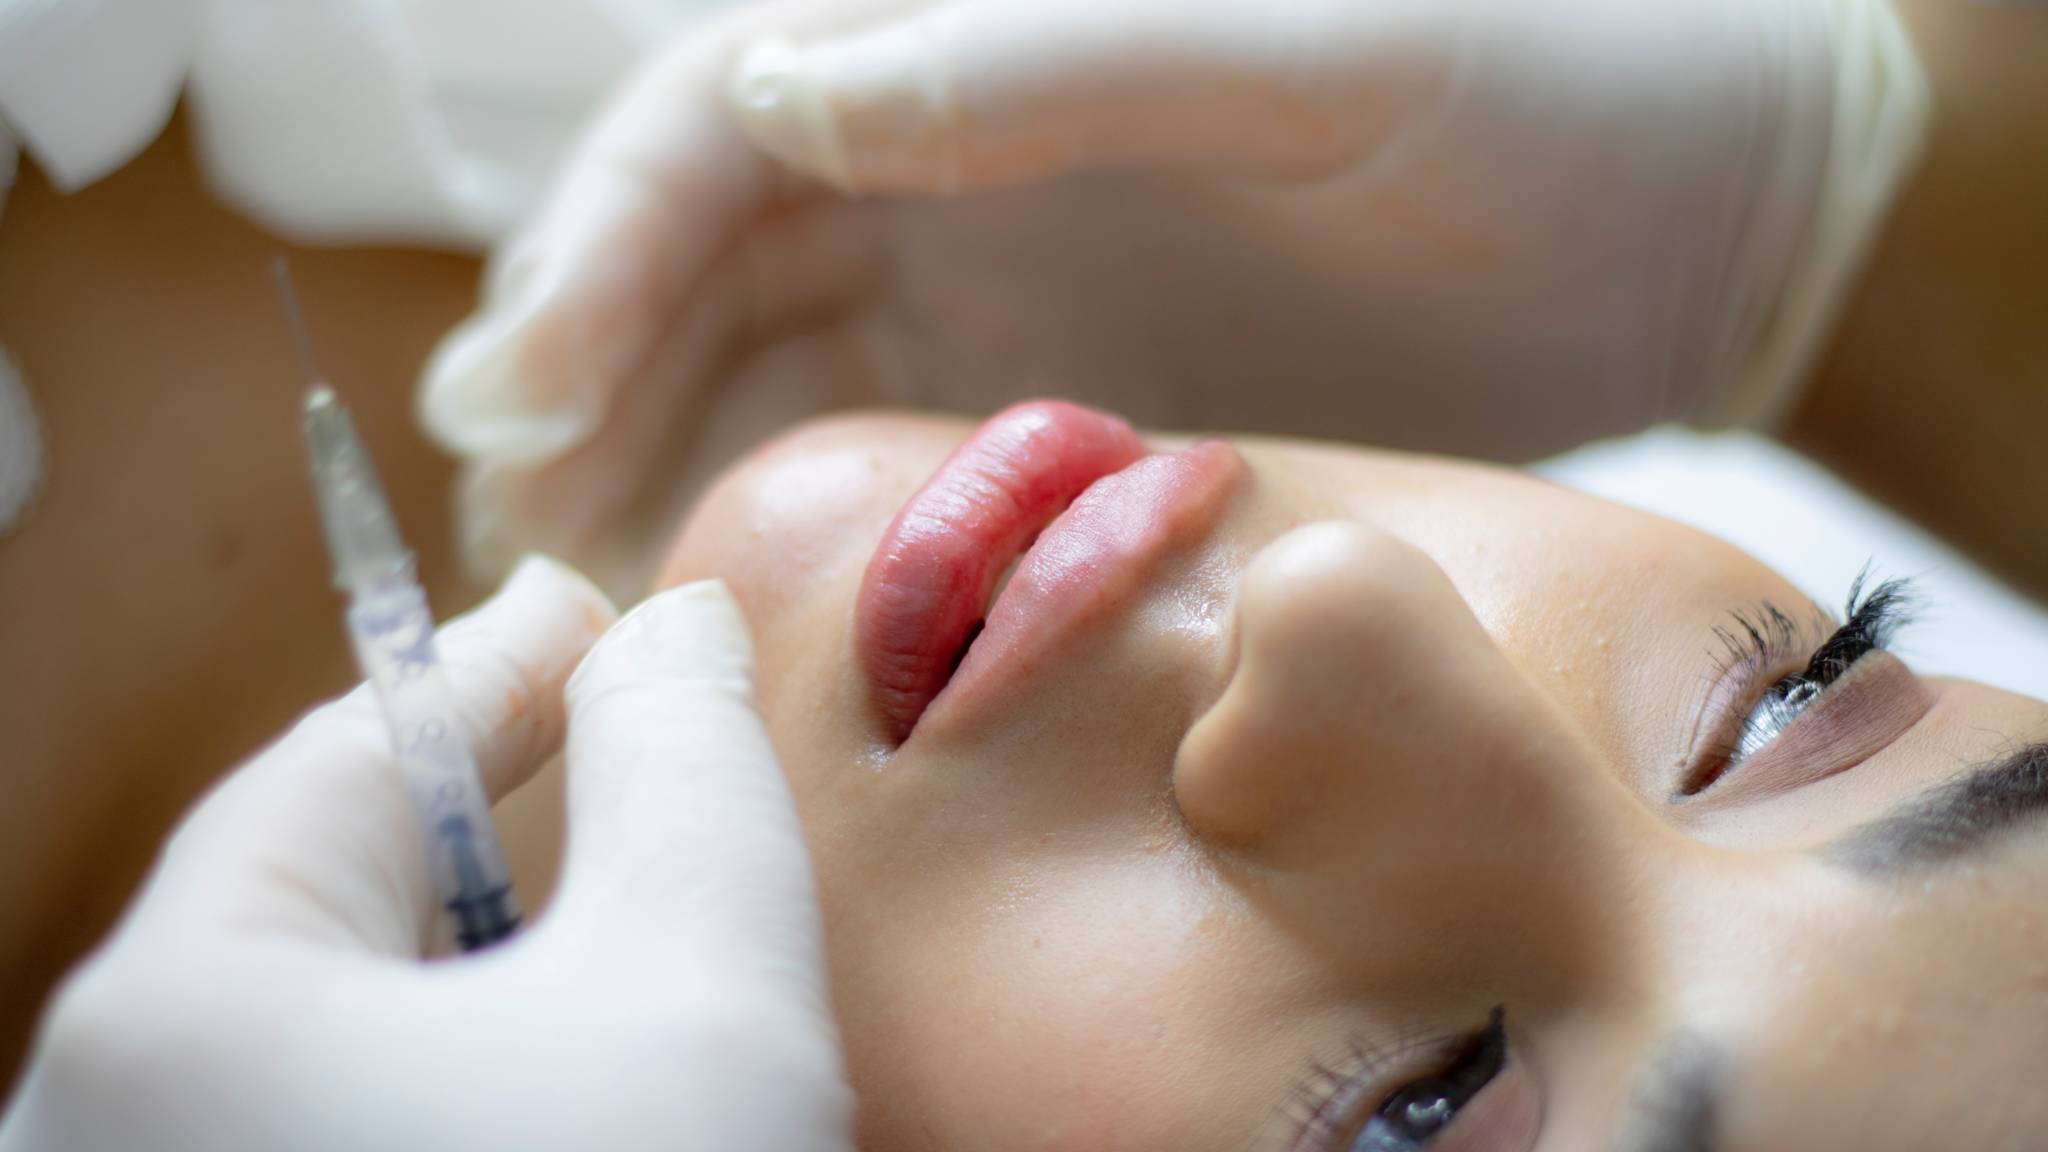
265, 992
1487, 226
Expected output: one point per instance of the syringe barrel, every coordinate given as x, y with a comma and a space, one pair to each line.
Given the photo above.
393, 633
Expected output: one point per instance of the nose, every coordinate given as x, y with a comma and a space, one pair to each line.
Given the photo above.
1384, 768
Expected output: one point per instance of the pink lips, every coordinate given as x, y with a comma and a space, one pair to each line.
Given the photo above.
1077, 480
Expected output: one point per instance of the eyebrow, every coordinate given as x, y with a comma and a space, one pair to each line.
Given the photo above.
1950, 819
1677, 1101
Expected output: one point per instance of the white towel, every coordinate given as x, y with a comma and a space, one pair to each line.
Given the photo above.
435, 122
432, 122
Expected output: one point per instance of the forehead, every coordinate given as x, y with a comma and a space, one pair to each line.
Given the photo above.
1914, 1017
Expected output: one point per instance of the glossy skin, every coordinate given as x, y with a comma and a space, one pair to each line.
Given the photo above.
1389, 743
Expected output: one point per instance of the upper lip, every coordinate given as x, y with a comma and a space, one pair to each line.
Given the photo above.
926, 593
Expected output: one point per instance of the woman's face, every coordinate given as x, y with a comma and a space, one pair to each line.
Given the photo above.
1302, 798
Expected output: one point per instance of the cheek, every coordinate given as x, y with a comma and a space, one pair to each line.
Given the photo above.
1077, 1004
814, 499
772, 526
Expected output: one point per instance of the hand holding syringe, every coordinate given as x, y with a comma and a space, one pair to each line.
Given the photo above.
393, 634
265, 988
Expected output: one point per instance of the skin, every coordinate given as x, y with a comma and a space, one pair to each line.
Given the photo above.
1391, 742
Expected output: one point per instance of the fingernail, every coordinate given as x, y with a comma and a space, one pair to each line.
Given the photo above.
475, 400
545, 610
782, 105
539, 579
486, 543
544, 617
693, 632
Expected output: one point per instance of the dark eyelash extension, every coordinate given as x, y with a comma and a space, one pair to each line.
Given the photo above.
1321, 1098
1870, 622
1873, 618
1767, 638
1767, 635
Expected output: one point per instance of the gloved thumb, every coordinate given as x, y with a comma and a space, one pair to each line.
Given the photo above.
981, 93
315, 837
684, 850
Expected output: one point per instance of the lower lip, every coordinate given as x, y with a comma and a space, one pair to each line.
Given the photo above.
1092, 561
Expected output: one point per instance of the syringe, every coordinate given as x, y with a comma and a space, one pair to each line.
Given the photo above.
393, 636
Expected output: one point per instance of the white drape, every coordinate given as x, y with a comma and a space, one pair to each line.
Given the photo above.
431, 122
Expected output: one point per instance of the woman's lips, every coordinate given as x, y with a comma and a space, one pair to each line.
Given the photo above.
1081, 483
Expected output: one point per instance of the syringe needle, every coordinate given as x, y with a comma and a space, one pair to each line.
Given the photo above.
362, 534
295, 322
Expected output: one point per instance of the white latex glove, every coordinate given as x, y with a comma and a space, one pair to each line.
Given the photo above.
1487, 226
266, 992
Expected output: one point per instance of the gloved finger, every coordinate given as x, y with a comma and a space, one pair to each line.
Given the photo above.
684, 848
568, 504
576, 302
316, 838
980, 93
791, 274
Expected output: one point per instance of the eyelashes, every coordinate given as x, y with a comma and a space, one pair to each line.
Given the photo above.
1329, 1102
1874, 617
1765, 636
1326, 1095
1745, 718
